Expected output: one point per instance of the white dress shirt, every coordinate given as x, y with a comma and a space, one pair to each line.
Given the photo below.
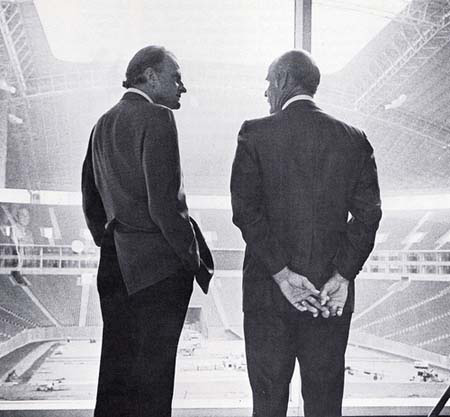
297, 98
140, 92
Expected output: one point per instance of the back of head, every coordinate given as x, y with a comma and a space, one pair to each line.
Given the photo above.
151, 56
301, 67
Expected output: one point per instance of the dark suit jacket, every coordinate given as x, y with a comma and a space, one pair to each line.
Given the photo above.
296, 176
132, 182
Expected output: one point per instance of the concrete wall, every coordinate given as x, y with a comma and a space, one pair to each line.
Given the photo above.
380, 344
42, 334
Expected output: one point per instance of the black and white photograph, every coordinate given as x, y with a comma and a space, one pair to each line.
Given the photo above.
234, 208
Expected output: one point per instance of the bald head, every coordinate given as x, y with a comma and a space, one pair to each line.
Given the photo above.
294, 72
301, 68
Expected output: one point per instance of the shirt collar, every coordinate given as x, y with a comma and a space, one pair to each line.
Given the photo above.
140, 92
297, 98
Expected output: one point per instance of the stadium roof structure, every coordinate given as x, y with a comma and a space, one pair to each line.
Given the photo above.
397, 88
399, 84
31, 79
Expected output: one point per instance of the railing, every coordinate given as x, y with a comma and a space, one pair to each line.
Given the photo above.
36, 258
64, 260
409, 262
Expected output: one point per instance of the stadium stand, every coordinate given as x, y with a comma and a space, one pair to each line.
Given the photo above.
212, 313
399, 320
94, 316
39, 220
434, 228
10, 324
368, 291
219, 229
421, 304
439, 344
397, 226
413, 321
49, 224
426, 333
230, 293
410, 314
70, 222
61, 295
14, 300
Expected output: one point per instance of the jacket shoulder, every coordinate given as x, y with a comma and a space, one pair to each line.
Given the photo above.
353, 130
262, 125
353, 135
139, 113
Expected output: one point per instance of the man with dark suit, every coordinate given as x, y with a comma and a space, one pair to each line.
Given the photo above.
296, 176
135, 208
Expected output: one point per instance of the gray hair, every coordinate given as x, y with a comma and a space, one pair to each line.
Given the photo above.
300, 65
151, 56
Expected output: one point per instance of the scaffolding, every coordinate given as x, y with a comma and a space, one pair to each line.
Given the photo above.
415, 36
72, 81
16, 69
15, 44
423, 31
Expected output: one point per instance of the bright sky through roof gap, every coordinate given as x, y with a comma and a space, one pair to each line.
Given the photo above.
229, 31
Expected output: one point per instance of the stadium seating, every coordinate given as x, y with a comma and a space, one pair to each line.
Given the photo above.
14, 299
71, 223
230, 292
397, 225
11, 325
413, 315
94, 315
387, 317
439, 344
425, 332
60, 294
368, 291
212, 311
418, 315
39, 219
436, 226
218, 225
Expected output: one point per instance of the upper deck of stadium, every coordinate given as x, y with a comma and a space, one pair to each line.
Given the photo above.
397, 88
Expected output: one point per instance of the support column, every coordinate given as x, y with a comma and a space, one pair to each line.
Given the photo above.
303, 24
3, 140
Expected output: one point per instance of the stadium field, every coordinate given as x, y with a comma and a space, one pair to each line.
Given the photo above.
215, 371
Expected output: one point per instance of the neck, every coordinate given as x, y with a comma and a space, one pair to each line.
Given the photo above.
296, 92
145, 90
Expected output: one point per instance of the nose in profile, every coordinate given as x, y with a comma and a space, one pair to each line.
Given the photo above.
182, 88
265, 93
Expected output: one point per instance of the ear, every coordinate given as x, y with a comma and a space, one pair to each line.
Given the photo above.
283, 79
151, 76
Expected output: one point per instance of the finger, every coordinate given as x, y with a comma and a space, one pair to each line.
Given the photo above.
298, 305
333, 311
339, 312
334, 307
324, 295
314, 311
315, 303
325, 313
310, 286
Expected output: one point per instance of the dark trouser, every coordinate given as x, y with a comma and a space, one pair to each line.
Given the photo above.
140, 339
273, 342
